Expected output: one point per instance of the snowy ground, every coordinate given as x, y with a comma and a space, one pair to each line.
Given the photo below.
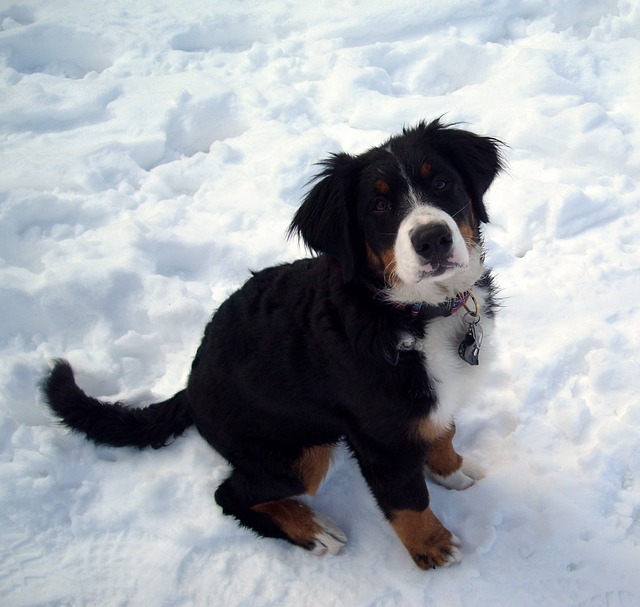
151, 154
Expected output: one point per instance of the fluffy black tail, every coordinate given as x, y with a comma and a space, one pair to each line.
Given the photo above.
113, 423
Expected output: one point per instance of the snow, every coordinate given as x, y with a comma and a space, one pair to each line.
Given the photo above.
152, 153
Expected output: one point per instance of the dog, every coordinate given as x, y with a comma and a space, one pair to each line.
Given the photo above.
375, 340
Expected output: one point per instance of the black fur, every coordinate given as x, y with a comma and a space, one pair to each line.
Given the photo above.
305, 354
112, 423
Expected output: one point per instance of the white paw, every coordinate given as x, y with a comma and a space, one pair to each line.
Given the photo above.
455, 554
330, 538
457, 480
473, 469
461, 479
455, 557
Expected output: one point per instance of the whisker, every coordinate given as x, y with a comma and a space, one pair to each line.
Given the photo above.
464, 208
389, 273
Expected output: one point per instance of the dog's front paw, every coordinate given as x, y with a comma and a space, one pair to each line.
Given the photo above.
439, 552
473, 469
428, 542
463, 478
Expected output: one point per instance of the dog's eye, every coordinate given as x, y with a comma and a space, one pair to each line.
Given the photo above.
440, 184
381, 205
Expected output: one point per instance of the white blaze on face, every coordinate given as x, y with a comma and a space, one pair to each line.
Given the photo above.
410, 267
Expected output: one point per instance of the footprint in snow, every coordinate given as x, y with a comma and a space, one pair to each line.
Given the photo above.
52, 49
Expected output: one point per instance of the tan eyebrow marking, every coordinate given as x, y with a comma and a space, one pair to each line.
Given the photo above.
382, 187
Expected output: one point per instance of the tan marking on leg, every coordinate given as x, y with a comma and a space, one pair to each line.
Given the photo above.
442, 458
312, 466
295, 519
426, 431
446, 467
426, 539
303, 526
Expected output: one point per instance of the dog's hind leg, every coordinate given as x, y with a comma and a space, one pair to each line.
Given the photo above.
264, 502
312, 465
303, 526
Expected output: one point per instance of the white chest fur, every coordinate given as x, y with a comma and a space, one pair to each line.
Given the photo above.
454, 381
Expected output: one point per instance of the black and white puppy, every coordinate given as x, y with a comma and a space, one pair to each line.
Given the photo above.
375, 341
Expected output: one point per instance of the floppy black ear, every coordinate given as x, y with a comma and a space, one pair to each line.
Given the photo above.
477, 159
325, 219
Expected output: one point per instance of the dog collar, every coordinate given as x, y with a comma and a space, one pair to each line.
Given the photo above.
446, 308
469, 347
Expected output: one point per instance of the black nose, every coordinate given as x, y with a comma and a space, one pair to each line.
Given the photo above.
432, 242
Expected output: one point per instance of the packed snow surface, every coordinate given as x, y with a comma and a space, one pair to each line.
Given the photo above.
154, 152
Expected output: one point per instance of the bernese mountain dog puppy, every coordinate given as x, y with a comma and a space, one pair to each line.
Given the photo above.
374, 341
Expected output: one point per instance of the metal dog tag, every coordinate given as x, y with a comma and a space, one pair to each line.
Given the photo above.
469, 348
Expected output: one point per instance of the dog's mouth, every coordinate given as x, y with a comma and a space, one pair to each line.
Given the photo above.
438, 270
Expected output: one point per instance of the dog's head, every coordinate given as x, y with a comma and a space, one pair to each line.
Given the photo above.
405, 215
